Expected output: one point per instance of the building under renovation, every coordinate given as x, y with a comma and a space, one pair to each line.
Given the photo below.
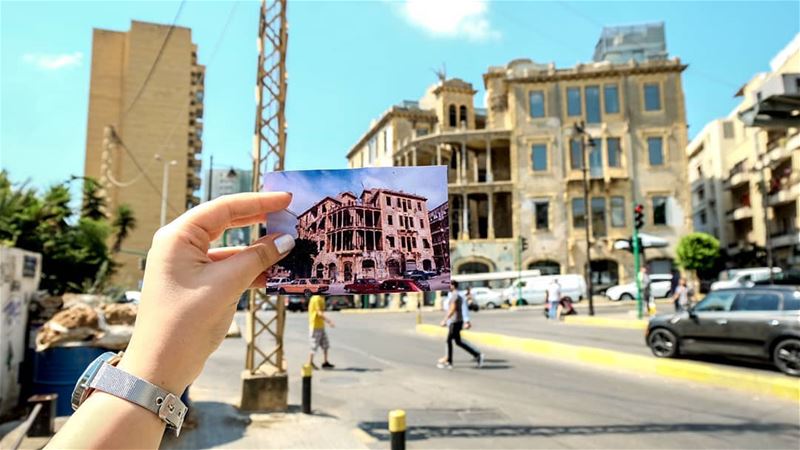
516, 168
379, 234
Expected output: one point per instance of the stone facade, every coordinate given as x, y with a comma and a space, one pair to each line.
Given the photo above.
379, 234
516, 169
153, 113
440, 235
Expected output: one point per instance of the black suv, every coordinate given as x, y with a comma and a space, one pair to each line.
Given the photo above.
761, 322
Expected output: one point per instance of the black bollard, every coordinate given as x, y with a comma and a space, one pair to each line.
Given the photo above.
306, 373
397, 428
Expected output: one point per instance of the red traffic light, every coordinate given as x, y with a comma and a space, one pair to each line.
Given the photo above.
639, 208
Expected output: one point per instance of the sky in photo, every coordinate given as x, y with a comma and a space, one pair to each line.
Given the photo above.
348, 62
310, 186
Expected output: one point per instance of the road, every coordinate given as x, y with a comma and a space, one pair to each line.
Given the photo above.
516, 401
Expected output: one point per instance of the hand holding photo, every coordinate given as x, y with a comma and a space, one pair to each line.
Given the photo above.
362, 231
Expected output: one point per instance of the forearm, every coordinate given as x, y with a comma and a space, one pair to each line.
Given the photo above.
100, 421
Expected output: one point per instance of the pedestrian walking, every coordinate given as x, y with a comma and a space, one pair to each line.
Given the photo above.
456, 319
647, 292
554, 299
681, 298
317, 335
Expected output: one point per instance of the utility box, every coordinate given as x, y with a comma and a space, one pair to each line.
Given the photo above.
20, 272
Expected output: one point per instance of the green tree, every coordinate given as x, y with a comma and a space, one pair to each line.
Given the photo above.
300, 259
697, 252
94, 203
124, 223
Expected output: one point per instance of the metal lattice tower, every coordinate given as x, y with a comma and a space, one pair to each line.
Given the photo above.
269, 149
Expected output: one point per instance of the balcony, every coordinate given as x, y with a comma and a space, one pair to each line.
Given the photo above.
740, 213
786, 190
785, 238
736, 179
193, 182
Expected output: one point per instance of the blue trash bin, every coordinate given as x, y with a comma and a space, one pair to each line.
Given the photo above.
56, 370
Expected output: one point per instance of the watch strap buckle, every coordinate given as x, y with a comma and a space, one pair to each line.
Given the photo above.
171, 410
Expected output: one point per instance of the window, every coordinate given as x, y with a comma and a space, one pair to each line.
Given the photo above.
599, 216
652, 97
537, 104
728, 132
453, 120
596, 160
578, 213
419, 206
659, 210
421, 222
539, 157
791, 303
617, 212
390, 219
541, 212
388, 201
390, 241
462, 115
611, 97
425, 243
575, 154
614, 152
592, 94
756, 301
573, 101
716, 302
655, 151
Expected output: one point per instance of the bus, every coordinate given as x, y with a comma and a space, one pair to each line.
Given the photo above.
493, 280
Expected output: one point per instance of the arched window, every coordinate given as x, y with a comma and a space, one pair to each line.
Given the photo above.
546, 267
473, 267
605, 273
462, 115
453, 118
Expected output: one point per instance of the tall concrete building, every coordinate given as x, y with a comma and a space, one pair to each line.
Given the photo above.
515, 169
146, 84
756, 168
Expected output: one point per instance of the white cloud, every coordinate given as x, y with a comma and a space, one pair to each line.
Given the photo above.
53, 61
451, 18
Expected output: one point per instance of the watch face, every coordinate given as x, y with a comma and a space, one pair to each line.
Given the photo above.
81, 390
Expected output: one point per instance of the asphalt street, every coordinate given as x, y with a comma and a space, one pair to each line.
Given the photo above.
516, 401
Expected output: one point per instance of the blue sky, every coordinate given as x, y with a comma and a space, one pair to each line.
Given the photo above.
347, 63
310, 186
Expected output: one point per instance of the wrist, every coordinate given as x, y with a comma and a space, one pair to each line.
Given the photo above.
154, 371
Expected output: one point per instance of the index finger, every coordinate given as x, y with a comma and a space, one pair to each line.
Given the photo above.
215, 216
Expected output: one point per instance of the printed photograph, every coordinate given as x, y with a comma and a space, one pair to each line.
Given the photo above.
362, 231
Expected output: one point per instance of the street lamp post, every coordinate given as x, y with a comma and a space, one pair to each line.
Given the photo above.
165, 187
580, 132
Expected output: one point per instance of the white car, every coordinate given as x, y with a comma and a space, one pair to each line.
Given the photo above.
742, 277
659, 284
274, 283
485, 297
533, 290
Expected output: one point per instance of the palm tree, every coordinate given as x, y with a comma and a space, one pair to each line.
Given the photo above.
94, 203
124, 222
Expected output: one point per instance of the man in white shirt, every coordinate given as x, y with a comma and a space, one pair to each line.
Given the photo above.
554, 298
456, 319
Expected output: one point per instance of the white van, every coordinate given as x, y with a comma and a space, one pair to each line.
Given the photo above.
742, 277
533, 290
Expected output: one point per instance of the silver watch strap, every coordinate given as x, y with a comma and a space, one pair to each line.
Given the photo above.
121, 384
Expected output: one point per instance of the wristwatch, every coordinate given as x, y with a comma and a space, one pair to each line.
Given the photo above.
103, 375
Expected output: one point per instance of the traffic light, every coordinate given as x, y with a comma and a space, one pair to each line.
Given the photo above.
523, 243
638, 216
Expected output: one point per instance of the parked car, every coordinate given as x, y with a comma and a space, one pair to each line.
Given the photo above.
424, 285
296, 303
785, 278
659, 284
533, 289
485, 297
363, 286
304, 286
399, 285
760, 322
274, 283
339, 302
733, 278
415, 275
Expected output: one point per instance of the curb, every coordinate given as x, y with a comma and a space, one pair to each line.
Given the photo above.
781, 386
376, 311
629, 324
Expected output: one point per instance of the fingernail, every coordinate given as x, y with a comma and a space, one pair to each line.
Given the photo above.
284, 243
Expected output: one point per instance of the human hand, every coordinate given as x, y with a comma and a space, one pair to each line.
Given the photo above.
443, 323
190, 292
330, 322
467, 325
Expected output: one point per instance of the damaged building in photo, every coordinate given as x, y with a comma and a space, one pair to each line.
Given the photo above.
379, 234
516, 167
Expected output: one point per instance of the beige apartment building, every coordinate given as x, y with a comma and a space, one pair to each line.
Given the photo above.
153, 99
515, 168
754, 165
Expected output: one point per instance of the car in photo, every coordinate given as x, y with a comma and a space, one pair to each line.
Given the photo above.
659, 285
363, 286
761, 322
400, 285
416, 275
424, 285
484, 297
274, 283
303, 286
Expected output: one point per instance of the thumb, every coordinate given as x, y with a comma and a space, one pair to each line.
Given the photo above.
241, 269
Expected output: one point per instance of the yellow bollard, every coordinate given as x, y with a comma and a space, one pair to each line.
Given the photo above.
397, 429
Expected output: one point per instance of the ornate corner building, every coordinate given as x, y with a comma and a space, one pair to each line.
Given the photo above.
379, 234
516, 169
